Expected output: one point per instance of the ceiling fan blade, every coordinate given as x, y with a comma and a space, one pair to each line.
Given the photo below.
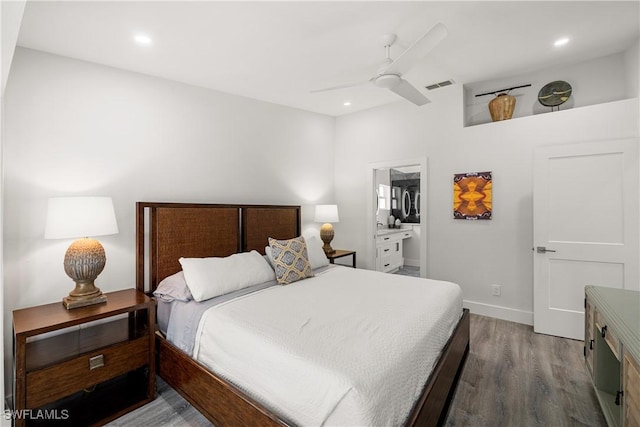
343, 86
410, 93
418, 50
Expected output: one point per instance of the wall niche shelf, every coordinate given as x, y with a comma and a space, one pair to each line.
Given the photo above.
598, 81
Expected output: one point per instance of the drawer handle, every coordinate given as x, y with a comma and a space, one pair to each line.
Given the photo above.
591, 345
386, 238
619, 394
387, 265
604, 331
386, 250
96, 362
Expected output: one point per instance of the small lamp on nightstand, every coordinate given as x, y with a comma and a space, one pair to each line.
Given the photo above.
73, 217
327, 214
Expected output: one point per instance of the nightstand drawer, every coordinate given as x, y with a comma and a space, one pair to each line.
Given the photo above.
610, 338
50, 384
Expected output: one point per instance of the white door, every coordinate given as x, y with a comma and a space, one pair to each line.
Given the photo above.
585, 229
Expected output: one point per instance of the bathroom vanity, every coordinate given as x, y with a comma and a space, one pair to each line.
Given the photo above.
389, 248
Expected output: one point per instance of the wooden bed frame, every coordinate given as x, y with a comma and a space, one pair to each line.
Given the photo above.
167, 231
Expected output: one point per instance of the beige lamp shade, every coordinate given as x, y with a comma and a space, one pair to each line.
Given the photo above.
73, 217
327, 214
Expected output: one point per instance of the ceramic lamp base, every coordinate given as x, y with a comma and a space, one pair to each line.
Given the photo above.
84, 261
326, 234
70, 302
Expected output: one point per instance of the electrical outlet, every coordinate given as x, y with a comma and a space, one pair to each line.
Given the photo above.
495, 290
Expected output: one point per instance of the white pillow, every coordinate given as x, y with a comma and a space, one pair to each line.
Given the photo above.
269, 255
316, 255
173, 288
210, 277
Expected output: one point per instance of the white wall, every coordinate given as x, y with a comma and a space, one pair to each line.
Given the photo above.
474, 254
75, 128
10, 20
632, 65
11, 17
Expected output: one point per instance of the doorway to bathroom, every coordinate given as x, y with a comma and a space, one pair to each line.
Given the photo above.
397, 216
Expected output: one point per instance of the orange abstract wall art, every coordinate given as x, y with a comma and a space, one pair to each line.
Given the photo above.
472, 195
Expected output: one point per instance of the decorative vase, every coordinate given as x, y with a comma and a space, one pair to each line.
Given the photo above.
501, 107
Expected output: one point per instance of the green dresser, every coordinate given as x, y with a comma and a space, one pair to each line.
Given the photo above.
612, 352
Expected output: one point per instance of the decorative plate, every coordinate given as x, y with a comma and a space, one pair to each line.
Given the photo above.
554, 93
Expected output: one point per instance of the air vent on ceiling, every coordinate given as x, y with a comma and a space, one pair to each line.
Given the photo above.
441, 84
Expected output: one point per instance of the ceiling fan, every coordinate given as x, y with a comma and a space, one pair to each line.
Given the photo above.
389, 75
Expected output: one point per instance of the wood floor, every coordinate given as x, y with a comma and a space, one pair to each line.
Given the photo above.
512, 377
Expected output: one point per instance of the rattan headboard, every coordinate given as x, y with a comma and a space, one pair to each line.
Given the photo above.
167, 231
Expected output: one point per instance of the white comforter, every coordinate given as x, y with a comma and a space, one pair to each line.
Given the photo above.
347, 347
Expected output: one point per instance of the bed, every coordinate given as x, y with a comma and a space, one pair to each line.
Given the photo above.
167, 231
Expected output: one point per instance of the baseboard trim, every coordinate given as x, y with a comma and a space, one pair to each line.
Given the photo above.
499, 312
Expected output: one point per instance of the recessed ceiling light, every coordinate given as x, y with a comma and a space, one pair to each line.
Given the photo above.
142, 39
346, 103
561, 42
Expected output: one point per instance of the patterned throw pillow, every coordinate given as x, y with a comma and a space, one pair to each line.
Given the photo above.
290, 259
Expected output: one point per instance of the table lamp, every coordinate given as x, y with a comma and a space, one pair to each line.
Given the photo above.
327, 214
81, 217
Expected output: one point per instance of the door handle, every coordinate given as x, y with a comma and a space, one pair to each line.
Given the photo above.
542, 249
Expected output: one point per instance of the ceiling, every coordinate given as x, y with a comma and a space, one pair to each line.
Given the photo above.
279, 51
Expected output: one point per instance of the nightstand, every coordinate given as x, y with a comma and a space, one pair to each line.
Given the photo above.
339, 253
88, 372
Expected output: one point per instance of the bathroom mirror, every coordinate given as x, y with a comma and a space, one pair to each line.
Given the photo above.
406, 204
